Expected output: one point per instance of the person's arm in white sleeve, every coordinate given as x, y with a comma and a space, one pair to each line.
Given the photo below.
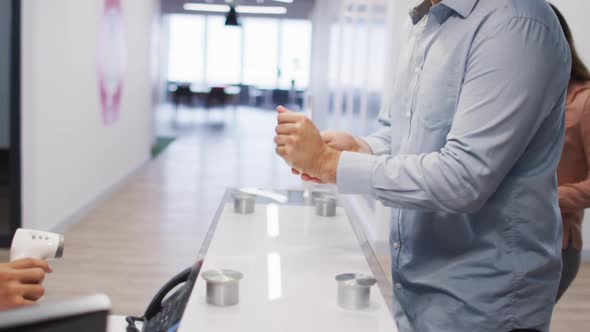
379, 142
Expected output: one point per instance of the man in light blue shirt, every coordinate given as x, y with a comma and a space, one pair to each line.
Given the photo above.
466, 159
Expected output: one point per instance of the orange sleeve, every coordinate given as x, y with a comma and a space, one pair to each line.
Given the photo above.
576, 196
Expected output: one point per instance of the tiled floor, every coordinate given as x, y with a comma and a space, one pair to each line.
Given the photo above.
153, 226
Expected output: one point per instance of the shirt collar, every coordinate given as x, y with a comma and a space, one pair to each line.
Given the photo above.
461, 7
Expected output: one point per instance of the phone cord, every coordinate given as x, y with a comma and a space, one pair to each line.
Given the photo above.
131, 320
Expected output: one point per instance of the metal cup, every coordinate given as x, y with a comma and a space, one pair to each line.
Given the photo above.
223, 287
325, 206
244, 203
295, 196
354, 291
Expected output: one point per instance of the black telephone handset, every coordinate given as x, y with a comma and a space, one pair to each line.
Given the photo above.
155, 305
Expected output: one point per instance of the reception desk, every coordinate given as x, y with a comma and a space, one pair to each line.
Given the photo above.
289, 257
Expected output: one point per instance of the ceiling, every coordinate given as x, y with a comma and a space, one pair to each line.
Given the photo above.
300, 9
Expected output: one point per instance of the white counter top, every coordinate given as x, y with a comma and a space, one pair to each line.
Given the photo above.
289, 258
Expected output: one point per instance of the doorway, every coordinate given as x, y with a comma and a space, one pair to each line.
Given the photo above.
10, 164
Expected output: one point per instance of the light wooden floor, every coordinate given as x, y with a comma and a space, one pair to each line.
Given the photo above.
153, 226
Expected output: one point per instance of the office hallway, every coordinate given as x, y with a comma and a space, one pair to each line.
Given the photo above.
152, 225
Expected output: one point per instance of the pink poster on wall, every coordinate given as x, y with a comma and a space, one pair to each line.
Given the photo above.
112, 60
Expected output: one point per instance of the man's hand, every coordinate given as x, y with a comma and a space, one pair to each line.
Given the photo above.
20, 282
299, 142
343, 141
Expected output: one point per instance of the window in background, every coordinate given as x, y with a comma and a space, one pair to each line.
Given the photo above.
264, 52
187, 42
224, 46
295, 53
260, 51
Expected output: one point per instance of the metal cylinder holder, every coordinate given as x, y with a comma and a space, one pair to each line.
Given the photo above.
223, 287
354, 291
325, 206
244, 203
295, 196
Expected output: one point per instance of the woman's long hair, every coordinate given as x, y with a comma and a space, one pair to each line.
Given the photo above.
580, 72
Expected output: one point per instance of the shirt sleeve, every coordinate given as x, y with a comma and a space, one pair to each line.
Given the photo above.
514, 77
380, 141
576, 196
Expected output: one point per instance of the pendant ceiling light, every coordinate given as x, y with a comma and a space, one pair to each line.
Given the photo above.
231, 19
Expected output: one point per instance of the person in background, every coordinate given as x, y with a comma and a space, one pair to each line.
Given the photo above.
20, 282
572, 172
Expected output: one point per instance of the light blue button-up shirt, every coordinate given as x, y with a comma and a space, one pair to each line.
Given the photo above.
467, 159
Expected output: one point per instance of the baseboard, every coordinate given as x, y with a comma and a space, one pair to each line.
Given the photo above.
77, 216
586, 255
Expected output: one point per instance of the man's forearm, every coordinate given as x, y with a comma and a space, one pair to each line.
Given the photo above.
574, 196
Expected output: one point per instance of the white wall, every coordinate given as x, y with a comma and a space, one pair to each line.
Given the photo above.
576, 14
5, 53
69, 158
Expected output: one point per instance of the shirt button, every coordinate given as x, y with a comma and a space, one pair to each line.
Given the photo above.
398, 286
418, 69
408, 114
396, 246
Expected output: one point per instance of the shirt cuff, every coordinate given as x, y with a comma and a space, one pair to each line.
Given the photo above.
355, 173
376, 145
